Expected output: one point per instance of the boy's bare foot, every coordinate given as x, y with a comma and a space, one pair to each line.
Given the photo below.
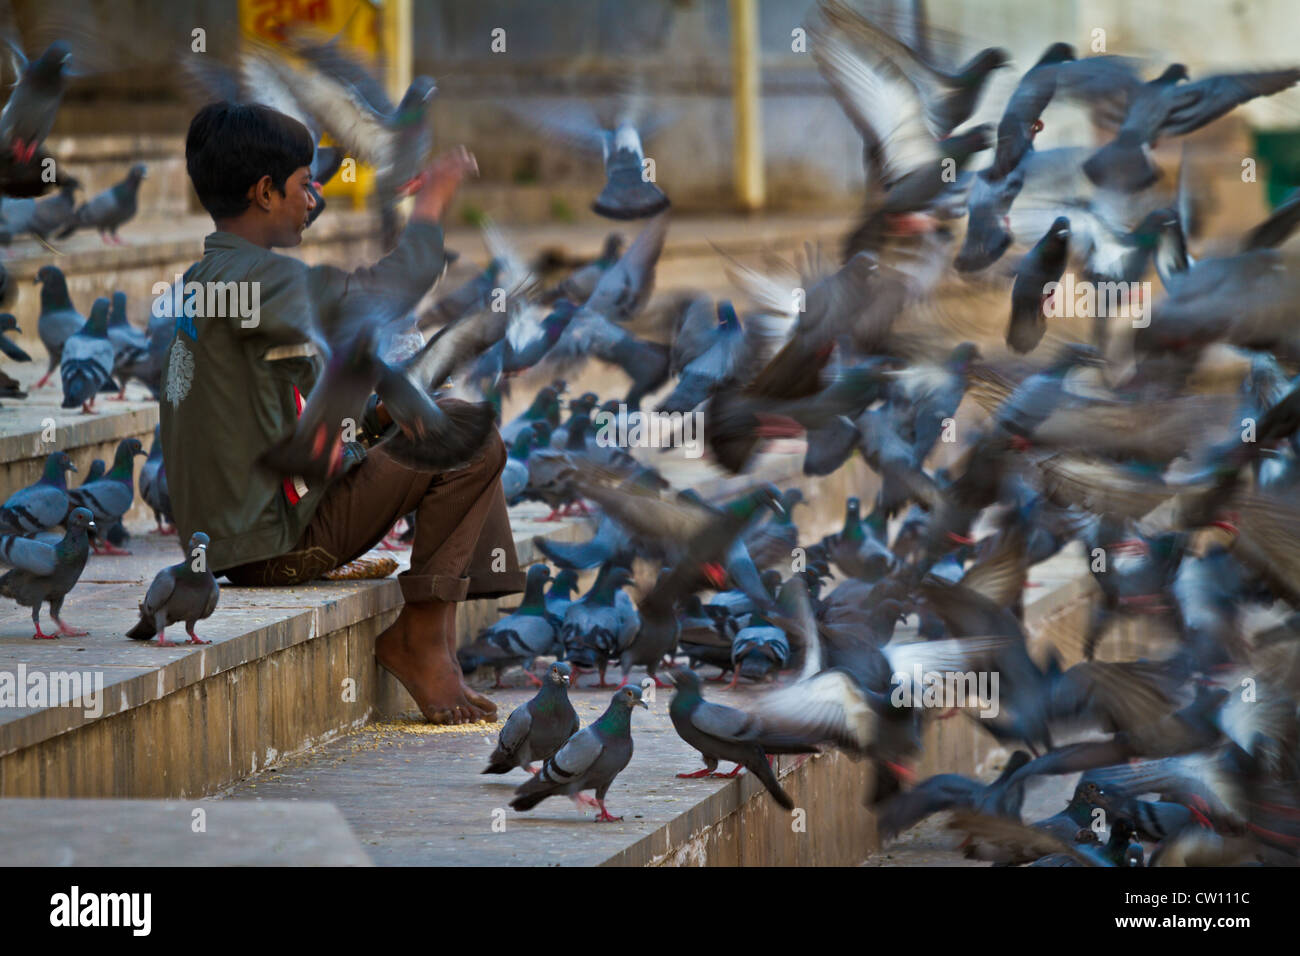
412, 650
481, 701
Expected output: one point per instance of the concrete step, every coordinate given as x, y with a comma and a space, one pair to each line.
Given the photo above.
152, 832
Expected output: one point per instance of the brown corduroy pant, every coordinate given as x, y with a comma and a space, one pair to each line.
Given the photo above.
463, 543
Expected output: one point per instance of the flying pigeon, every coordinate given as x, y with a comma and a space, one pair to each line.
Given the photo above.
29, 115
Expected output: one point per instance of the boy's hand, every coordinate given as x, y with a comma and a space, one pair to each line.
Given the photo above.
441, 180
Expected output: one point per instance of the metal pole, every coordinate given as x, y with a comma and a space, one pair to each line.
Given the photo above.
396, 31
746, 109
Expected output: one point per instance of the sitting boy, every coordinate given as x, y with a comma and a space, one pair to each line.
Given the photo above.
233, 388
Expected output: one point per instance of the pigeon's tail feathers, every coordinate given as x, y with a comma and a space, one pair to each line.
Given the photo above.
730, 428
526, 801
144, 629
464, 430
80, 382
499, 762
763, 771
755, 666
628, 195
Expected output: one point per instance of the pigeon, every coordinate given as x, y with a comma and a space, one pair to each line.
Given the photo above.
352, 106
531, 630
545, 407
601, 624
187, 592
514, 476
591, 760
59, 320
44, 572
729, 359
40, 217
630, 192
578, 286
9, 324
1168, 107
111, 209
951, 791
539, 728
87, 360
40, 506
719, 733
758, 650
131, 347
1044, 264
153, 485
109, 498
29, 115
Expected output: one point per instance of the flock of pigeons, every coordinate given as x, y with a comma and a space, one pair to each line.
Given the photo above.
1178, 493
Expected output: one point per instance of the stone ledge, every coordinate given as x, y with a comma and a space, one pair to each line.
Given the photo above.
151, 832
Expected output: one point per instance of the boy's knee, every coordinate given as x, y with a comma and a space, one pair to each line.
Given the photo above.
494, 452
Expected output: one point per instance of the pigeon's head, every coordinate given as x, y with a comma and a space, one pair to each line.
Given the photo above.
791, 497
769, 496
1057, 53
50, 64
79, 519
541, 433
566, 582
963, 355
50, 275
58, 463
1060, 230
684, 679
629, 697
199, 541
560, 386
613, 247
852, 509
994, 58
727, 317
559, 673
418, 94
1173, 73
538, 575
138, 172
8, 323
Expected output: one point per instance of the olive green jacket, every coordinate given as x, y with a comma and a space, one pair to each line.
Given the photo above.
228, 382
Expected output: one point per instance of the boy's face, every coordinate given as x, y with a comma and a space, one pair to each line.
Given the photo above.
288, 213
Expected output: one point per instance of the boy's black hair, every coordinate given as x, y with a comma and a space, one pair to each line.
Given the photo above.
231, 146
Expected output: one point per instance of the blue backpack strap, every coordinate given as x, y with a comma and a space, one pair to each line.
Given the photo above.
185, 323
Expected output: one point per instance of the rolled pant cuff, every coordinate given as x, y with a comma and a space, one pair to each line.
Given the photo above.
417, 588
494, 584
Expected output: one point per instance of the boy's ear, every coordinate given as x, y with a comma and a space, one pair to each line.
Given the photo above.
259, 194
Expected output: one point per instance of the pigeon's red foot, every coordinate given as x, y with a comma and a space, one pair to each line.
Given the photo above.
553, 516
44, 378
195, 639
533, 679
696, 774
164, 529
531, 769
67, 631
604, 816
582, 800
88, 408
735, 772
906, 774
108, 547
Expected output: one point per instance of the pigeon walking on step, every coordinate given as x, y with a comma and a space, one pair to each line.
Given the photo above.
87, 365
59, 320
592, 758
45, 573
725, 733
109, 498
186, 592
539, 728
515, 640
131, 346
42, 505
153, 485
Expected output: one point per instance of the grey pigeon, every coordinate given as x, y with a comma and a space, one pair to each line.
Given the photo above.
514, 476
42, 505
9, 324
40, 217
131, 352
187, 592
29, 114
111, 209
44, 572
599, 627
58, 321
153, 485
1044, 264
725, 733
591, 759
539, 728
87, 362
109, 498
515, 640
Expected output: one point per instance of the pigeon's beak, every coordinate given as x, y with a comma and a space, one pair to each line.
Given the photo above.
71, 467
91, 526
643, 703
